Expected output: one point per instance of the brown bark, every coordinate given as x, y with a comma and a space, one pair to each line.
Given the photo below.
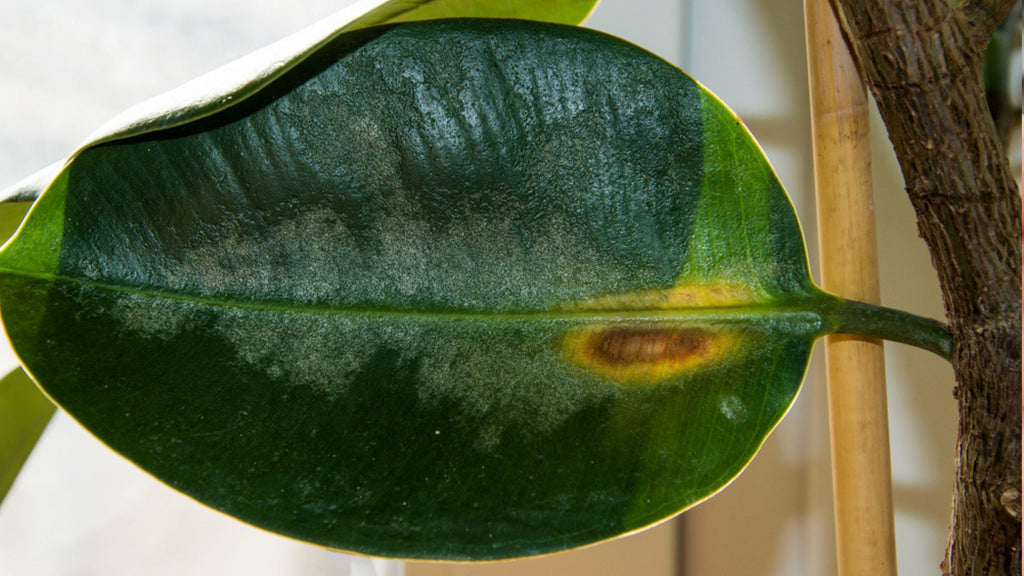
922, 61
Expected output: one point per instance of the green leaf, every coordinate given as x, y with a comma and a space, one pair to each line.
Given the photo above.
461, 289
12, 212
24, 413
16, 200
557, 11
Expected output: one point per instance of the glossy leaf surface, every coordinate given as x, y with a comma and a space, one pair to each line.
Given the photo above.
461, 289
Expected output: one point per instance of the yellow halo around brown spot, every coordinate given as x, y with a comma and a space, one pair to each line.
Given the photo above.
644, 353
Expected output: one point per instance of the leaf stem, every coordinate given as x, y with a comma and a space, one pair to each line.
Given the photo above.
880, 322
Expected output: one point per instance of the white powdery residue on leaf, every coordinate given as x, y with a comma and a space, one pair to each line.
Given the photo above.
503, 383
297, 260
308, 349
150, 316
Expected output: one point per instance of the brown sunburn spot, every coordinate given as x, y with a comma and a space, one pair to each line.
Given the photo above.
652, 352
647, 353
629, 345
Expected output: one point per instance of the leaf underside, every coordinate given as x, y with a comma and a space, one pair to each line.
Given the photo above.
455, 290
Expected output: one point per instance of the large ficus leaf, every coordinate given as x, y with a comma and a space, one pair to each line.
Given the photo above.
462, 289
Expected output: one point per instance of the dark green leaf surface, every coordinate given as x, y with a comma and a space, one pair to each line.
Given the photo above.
461, 289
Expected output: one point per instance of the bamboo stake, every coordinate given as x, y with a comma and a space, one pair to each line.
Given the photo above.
858, 414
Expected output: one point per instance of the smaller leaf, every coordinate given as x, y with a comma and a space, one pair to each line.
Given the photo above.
17, 199
235, 82
24, 413
563, 12
24, 410
11, 215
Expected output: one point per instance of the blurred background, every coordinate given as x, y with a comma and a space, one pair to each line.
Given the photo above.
67, 66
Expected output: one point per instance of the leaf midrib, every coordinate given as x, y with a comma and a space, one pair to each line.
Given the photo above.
750, 312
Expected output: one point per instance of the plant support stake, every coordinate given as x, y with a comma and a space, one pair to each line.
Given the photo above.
858, 415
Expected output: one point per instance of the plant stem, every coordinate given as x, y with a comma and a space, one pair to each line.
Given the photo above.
880, 322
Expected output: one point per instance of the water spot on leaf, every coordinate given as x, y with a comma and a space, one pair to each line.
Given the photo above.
733, 408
